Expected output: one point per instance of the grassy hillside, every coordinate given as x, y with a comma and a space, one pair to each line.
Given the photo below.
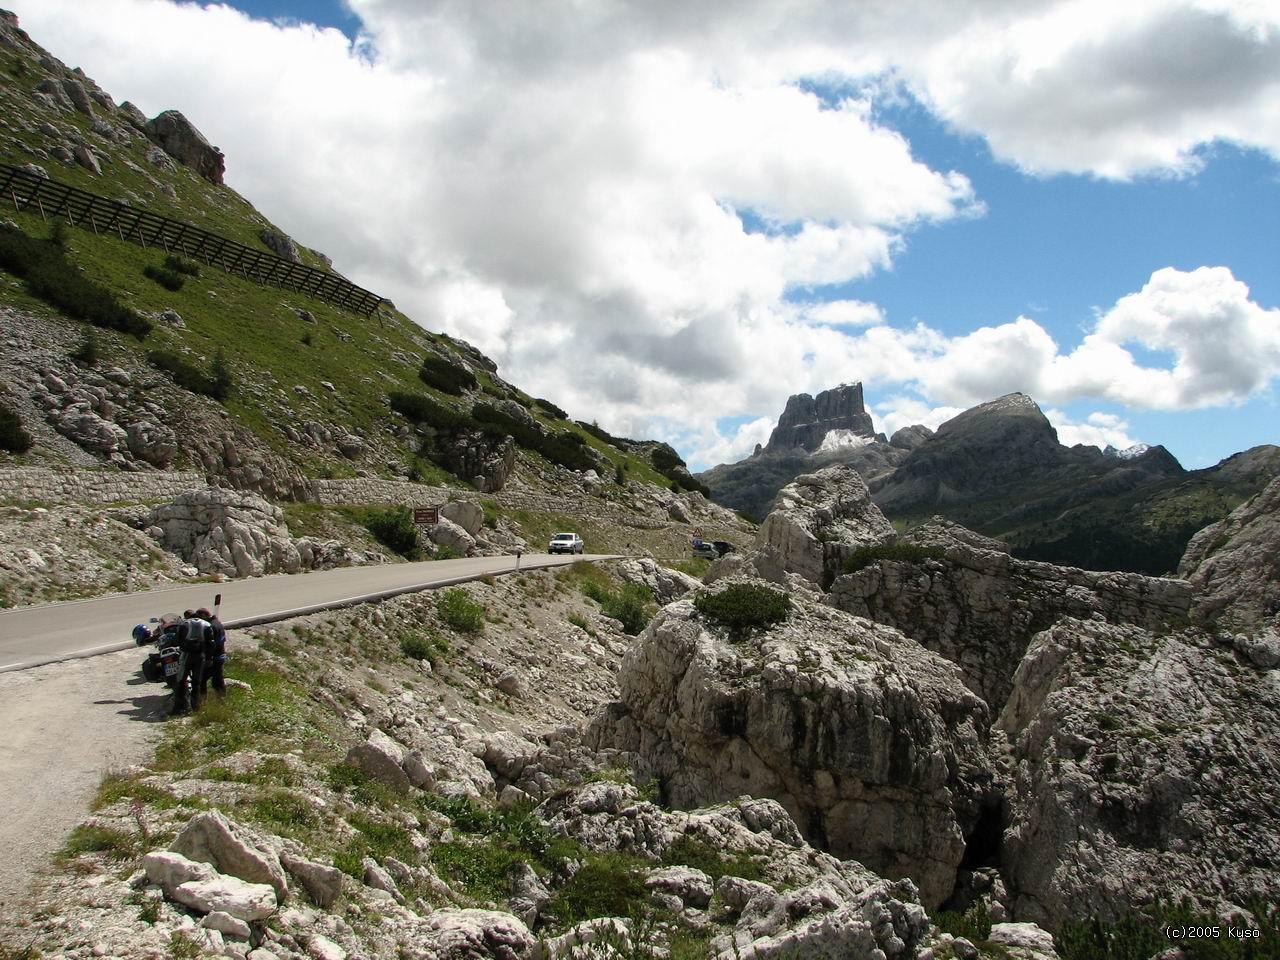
294, 359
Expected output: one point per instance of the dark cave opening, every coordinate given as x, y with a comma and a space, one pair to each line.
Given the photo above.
982, 845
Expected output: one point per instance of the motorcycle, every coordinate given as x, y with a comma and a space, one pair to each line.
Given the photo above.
161, 665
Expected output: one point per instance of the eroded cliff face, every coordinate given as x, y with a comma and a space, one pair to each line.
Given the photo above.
807, 421
873, 744
1145, 770
1235, 564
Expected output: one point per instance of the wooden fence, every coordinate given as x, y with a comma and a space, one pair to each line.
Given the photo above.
92, 212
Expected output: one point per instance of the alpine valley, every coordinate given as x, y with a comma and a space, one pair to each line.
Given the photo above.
956, 694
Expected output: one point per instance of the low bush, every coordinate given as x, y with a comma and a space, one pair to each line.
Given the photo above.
600, 433
88, 353
607, 885
459, 611
438, 372
893, 550
13, 438
182, 265
567, 449
1142, 935
743, 607
169, 279
419, 408
551, 408
973, 924
393, 528
446, 552
50, 276
424, 646
630, 604
691, 852
217, 382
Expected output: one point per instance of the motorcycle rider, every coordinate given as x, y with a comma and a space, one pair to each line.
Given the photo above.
195, 636
215, 655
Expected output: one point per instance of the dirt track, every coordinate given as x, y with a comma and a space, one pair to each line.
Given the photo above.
63, 725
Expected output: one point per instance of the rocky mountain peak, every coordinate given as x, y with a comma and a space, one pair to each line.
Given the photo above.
806, 421
1012, 406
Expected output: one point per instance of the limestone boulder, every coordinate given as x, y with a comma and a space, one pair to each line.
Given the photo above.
151, 441
209, 837
179, 138
819, 518
323, 883
467, 514
1234, 564
381, 759
230, 532
446, 533
280, 244
1144, 769
459, 934
666, 585
249, 902
871, 743
170, 870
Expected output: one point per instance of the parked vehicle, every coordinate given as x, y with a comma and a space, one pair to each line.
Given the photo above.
711, 549
161, 666
566, 543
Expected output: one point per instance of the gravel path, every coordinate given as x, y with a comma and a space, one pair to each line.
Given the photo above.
64, 725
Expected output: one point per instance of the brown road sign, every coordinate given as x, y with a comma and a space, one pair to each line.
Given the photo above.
425, 515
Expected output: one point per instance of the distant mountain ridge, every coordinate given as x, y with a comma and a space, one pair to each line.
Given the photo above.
999, 468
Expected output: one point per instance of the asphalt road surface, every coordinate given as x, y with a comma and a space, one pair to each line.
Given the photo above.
30, 636
69, 714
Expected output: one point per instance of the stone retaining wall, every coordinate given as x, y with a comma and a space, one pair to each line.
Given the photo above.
95, 487
18, 484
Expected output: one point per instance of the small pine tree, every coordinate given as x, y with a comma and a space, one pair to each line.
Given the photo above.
13, 437
222, 381
87, 353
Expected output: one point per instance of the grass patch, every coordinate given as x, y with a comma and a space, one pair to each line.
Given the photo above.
692, 852
743, 607
607, 885
91, 838
116, 787
630, 604
51, 277
695, 567
1137, 936
284, 811
374, 839
973, 924
459, 611
900, 552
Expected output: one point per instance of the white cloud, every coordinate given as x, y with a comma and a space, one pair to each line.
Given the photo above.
896, 412
560, 184
1099, 430
717, 448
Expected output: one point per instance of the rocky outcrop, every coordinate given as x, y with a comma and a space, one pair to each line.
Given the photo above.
210, 837
819, 519
665, 585
485, 460
806, 421
908, 438
979, 607
179, 138
1145, 769
1235, 564
281, 244
238, 534
869, 741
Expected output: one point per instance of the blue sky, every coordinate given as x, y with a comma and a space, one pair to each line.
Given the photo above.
668, 219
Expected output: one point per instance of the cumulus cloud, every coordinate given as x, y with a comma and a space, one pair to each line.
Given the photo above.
565, 185
1099, 430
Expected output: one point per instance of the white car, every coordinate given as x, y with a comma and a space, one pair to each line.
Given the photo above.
565, 543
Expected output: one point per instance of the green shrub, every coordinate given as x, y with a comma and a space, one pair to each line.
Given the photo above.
424, 646
743, 607
459, 611
182, 265
419, 408
665, 458
13, 438
631, 604
90, 838
551, 408
893, 550
169, 279
597, 431
216, 383
87, 354
446, 552
50, 276
394, 529
973, 924
438, 372
1138, 936
607, 885
306, 338
567, 449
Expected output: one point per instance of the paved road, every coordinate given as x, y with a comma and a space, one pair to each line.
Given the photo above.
31, 636
67, 723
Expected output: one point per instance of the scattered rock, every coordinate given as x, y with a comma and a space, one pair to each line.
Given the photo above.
176, 135
280, 244
210, 837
